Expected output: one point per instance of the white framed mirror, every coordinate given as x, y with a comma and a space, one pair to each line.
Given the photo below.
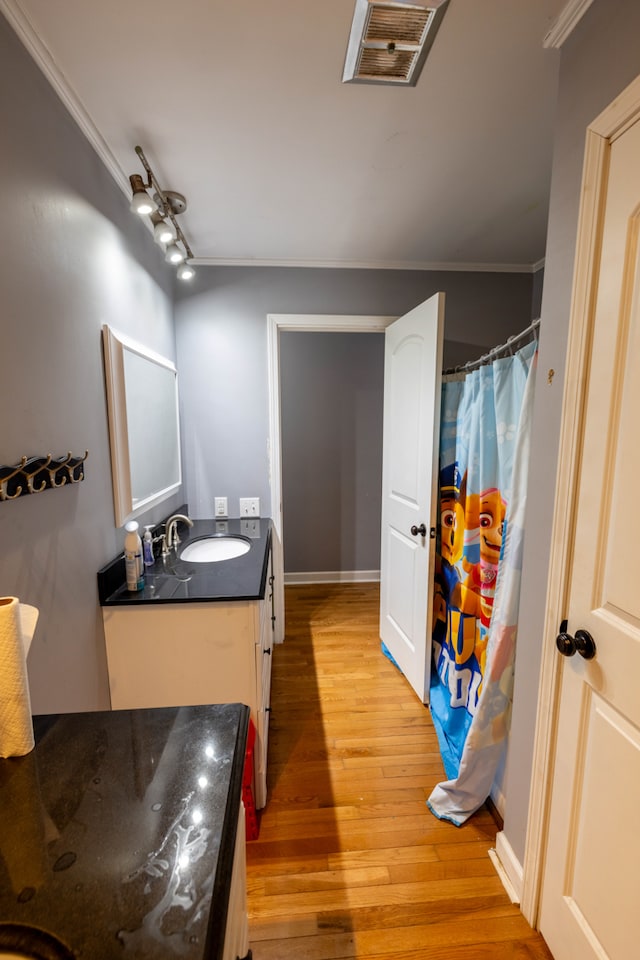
144, 430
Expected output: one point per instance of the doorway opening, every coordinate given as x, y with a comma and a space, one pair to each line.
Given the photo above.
331, 394
278, 323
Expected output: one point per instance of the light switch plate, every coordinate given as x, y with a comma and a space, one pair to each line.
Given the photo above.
221, 507
249, 506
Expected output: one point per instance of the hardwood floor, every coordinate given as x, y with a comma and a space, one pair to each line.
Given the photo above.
349, 861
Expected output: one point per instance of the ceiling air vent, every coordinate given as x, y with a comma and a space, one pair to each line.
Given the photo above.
389, 41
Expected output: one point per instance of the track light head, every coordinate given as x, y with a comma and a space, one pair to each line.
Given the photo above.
174, 254
141, 202
163, 230
185, 271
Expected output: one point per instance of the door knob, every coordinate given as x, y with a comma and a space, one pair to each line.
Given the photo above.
565, 642
583, 643
422, 530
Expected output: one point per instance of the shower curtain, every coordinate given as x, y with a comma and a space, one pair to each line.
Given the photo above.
484, 455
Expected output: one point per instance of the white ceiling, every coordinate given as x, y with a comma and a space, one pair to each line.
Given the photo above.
240, 106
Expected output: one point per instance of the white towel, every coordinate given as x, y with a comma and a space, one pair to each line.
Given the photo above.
17, 623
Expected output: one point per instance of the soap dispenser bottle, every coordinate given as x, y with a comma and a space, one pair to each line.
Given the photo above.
147, 546
133, 557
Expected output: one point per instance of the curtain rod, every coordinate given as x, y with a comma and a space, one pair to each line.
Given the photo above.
495, 352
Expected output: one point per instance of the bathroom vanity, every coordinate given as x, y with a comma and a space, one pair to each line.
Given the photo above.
199, 632
122, 835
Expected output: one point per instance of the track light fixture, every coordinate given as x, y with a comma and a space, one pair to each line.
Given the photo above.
162, 208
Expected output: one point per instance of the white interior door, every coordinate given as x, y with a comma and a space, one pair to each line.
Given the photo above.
413, 365
590, 883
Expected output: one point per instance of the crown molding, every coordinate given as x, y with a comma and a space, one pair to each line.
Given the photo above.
43, 58
372, 265
565, 23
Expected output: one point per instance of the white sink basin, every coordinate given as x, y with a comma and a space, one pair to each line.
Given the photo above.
213, 549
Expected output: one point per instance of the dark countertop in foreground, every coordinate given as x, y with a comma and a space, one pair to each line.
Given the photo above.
172, 580
118, 829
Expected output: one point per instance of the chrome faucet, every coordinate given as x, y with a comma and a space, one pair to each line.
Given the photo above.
171, 538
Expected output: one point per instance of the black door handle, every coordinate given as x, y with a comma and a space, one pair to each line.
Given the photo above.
583, 643
422, 530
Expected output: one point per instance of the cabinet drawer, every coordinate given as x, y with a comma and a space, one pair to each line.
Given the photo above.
263, 675
264, 624
263, 657
264, 696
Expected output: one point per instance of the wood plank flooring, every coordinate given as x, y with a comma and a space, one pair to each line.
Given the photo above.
349, 861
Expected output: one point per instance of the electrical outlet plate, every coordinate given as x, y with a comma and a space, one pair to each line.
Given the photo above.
221, 507
249, 506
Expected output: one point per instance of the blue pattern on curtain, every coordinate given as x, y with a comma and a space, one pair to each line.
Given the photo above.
484, 455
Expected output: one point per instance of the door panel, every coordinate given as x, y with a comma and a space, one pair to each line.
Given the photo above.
401, 556
413, 363
611, 745
619, 577
404, 448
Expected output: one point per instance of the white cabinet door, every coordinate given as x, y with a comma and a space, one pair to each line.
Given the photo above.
178, 654
413, 365
236, 937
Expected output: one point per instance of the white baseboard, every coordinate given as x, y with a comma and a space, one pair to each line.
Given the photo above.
333, 576
508, 867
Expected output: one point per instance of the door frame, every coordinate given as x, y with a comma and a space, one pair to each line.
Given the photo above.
610, 124
309, 323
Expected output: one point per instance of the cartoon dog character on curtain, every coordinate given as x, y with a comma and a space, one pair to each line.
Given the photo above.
485, 513
454, 604
471, 526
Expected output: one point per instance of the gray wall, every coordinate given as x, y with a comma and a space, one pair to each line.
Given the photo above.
331, 398
72, 259
221, 333
598, 61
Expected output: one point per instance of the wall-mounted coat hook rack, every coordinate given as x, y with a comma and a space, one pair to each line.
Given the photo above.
35, 474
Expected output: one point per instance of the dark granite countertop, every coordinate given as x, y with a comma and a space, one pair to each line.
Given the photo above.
172, 580
117, 831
